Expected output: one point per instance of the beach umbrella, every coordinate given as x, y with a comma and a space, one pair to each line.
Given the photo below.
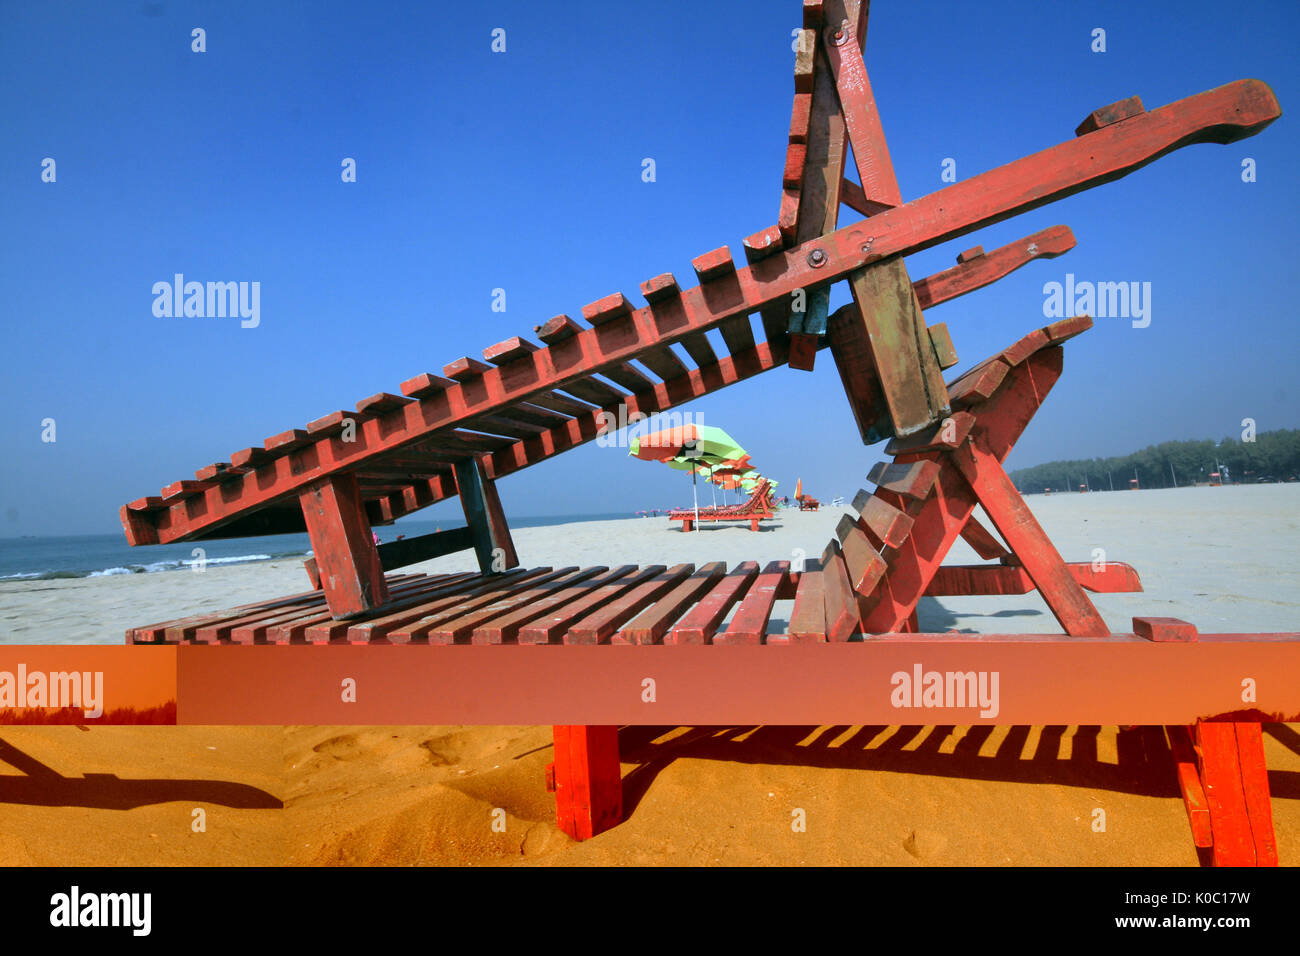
686, 447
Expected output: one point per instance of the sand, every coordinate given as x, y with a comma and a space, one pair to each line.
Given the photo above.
901, 796
1224, 558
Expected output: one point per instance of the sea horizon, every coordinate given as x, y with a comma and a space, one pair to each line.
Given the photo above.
46, 557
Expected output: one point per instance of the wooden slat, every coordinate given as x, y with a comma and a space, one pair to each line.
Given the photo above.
426, 385
699, 625
839, 595
1062, 330
550, 628
291, 627
945, 354
978, 385
382, 403
698, 348
910, 479
601, 625
863, 562
882, 521
459, 629
505, 629
412, 622
1108, 115
808, 619
322, 629
664, 363
942, 436
246, 624
650, 625
749, 624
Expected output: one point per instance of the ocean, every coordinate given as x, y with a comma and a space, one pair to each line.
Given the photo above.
95, 555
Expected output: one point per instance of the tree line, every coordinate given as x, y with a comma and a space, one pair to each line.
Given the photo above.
1271, 455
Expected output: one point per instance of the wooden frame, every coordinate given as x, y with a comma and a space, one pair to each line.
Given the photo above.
459, 432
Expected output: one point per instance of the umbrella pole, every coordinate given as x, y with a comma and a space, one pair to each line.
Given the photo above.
696, 495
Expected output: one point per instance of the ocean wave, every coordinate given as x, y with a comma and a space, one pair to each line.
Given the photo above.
177, 564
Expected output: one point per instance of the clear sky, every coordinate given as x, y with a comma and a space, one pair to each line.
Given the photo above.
522, 171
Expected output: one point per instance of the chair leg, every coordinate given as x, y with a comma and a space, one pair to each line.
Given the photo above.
1235, 780
586, 779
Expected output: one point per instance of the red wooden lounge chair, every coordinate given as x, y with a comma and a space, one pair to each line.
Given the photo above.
757, 508
806, 502
458, 432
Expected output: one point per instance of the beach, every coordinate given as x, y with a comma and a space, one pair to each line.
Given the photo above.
1224, 558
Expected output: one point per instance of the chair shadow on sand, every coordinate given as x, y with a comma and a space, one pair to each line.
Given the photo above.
42, 786
1144, 765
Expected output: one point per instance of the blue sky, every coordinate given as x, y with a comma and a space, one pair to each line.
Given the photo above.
522, 170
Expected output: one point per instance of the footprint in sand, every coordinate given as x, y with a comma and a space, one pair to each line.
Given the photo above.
925, 844
352, 746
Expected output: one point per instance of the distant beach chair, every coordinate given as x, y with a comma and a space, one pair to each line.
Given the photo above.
459, 432
758, 508
806, 502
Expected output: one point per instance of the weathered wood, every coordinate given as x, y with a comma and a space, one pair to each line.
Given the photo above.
939, 521
808, 619
1164, 629
417, 617
887, 525
601, 625
912, 479
978, 384
458, 630
424, 547
749, 624
551, 628
493, 545
650, 625
944, 435
838, 593
1114, 113
956, 579
975, 272
904, 360
505, 629
699, 625
343, 546
1223, 115
864, 564
861, 117
945, 354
